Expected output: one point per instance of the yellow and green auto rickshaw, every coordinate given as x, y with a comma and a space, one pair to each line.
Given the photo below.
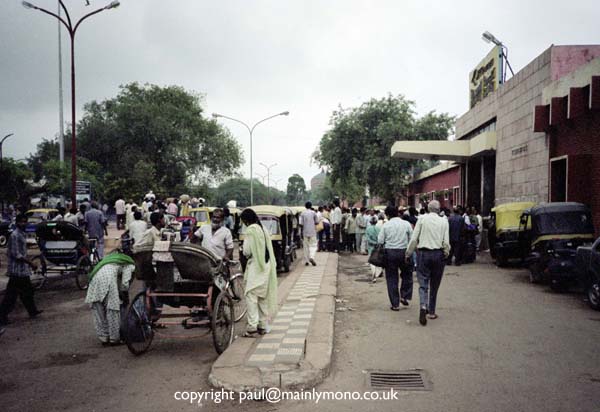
278, 221
504, 233
555, 231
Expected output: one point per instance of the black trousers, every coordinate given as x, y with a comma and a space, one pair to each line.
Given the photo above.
336, 237
17, 287
395, 262
456, 249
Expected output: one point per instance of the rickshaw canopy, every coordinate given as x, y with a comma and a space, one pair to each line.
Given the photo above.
57, 231
508, 215
561, 219
265, 210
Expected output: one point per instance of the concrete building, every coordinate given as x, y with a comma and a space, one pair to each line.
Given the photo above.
498, 155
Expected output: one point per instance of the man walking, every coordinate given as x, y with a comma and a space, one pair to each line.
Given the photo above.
19, 272
394, 236
120, 211
361, 227
336, 222
430, 238
309, 221
95, 222
456, 225
351, 230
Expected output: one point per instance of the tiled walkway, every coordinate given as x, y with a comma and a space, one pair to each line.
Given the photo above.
285, 343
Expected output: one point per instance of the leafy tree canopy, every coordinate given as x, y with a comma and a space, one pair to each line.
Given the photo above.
296, 189
357, 147
238, 189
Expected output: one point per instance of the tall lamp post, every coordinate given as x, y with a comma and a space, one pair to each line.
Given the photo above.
72, 29
250, 130
268, 179
2, 165
490, 38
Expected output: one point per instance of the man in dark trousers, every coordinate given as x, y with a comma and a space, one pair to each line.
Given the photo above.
457, 227
19, 271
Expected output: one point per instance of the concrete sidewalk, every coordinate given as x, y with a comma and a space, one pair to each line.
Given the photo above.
297, 352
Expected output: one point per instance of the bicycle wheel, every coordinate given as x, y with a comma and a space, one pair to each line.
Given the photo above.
82, 271
222, 322
39, 276
237, 292
139, 326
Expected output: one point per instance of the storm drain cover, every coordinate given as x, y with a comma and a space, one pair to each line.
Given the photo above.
407, 380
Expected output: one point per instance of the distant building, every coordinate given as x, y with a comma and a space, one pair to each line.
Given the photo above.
318, 181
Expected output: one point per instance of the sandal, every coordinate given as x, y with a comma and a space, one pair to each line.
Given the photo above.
395, 308
250, 334
432, 316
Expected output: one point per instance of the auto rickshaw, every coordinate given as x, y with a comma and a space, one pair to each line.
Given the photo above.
278, 221
504, 234
557, 230
35, 216
202, 215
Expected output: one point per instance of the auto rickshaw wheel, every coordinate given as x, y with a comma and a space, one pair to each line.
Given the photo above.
593, 295
3, 240
39, 275
558, 286
82, 271
139, 332
287, 262
501, 260
222, 322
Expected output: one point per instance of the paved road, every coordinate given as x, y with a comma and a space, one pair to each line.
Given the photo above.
500, 344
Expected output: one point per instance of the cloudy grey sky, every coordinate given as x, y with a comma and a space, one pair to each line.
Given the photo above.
254, 58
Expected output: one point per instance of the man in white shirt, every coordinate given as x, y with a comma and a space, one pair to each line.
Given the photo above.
336, 222
120, 211
431, 239
137, 228
216, 237
309, 221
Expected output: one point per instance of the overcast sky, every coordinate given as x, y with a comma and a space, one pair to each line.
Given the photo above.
252, 59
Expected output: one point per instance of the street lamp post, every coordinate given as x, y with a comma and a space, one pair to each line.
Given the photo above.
1, 163
251, 130
490, 38
268, 178
72, 29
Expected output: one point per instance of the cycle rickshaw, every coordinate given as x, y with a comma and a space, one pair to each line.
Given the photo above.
196, 288
65, 250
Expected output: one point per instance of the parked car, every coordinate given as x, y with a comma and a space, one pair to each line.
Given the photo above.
588, 268
557, 230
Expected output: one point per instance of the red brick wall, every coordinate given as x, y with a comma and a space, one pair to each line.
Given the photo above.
580, 141
441, 181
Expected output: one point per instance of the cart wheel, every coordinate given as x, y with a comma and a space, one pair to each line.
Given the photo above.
139, 326
237, 292
3, 240
82, 271
39, 276
223, 322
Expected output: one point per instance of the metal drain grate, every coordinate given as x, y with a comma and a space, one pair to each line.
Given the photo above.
408, 380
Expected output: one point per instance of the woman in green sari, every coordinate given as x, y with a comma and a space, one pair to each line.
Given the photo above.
260, 275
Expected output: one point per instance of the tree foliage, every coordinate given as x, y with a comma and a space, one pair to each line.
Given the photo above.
151, 137
296, 189
357, 147
238, 189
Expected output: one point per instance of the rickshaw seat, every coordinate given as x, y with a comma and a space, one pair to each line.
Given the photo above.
60, 244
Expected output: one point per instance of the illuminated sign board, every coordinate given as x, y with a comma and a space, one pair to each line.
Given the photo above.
486, 77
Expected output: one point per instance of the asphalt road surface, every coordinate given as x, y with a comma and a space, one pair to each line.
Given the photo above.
500, 344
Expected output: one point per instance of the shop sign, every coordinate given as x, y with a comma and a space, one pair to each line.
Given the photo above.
486, 77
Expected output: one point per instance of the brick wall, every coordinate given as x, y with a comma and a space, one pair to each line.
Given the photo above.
447, 179
580, 141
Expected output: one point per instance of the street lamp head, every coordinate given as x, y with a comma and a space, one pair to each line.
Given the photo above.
28, 5
286, 113
112, 5
490, 38
216, 115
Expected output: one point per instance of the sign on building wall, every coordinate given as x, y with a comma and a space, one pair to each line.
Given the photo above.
486, 77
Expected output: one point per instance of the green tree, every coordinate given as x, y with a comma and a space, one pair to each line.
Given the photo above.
296, 189
358, 144
238, 189
15, 185
151, 137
